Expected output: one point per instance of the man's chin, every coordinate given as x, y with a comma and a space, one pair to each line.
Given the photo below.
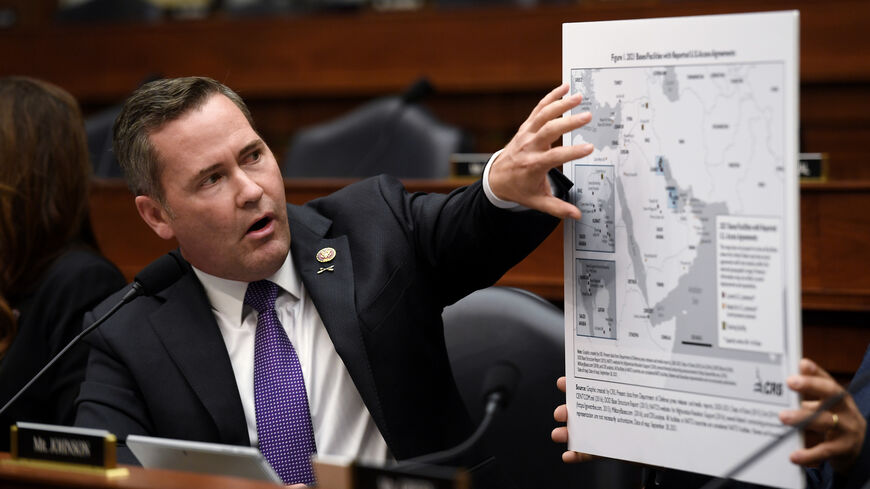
243, 263
264, 262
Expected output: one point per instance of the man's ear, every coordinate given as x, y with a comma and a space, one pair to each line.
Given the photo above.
155, 216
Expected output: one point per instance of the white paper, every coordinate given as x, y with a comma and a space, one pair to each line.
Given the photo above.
682, 279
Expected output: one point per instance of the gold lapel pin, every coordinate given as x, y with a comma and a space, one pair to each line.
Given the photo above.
325, 255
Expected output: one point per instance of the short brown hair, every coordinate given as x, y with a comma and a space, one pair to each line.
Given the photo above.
44, 172
148, 109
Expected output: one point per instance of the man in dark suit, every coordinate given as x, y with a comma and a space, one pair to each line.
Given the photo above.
360, 289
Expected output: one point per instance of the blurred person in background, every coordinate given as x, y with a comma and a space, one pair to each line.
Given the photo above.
51, 271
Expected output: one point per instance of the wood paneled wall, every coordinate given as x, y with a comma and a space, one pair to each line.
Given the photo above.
489, 66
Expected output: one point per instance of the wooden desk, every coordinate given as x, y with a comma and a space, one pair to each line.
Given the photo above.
17, 477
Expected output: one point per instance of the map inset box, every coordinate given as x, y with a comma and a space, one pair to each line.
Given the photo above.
595, 198
596, 298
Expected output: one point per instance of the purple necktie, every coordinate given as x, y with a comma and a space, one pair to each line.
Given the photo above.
284, 429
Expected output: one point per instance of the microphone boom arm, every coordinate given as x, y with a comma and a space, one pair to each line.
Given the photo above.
155, 277
132, 294
493, 402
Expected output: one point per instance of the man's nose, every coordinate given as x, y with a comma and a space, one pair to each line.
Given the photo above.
249, 190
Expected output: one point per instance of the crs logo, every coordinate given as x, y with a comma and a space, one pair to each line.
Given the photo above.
766, 387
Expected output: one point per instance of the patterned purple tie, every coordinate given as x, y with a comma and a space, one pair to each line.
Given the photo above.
283, 421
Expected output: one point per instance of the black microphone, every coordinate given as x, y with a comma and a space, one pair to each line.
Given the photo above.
417, 91
158, 275
856, 385
499, 385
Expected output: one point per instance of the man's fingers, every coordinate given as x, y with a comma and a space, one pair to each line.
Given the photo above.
813, 382
794, 416
810, 406
817, 454
555, 128
560, 435
557, 107
558, 156
553, 206
841, 428
809, 367
519, 173
552, 111
555, 94
823, 423
570, 457
814, 387
560, 414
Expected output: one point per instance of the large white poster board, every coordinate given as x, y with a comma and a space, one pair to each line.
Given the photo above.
682, 278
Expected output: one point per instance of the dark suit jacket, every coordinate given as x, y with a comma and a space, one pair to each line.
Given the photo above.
160, 367
51, 315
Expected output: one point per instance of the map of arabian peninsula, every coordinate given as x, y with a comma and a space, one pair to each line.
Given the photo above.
675, 147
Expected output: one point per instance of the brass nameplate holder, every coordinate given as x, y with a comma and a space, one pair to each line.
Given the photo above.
468, 166
813, 167
81, 450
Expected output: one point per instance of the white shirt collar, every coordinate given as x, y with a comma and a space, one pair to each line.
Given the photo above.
227, 297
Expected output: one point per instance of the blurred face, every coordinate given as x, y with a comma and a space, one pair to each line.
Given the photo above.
224, 194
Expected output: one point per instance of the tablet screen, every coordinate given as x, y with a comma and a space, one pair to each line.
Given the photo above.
195, 456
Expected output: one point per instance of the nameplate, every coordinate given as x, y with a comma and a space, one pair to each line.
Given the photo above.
813, 167
468, 165
342, 473
64, 447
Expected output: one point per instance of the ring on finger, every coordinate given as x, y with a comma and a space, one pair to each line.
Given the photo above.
836, 421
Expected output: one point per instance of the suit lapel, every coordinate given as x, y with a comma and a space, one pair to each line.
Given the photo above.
333, 294
186, 326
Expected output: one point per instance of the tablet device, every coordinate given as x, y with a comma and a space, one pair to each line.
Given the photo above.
195, 456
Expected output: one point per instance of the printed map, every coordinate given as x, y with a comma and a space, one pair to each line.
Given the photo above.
676, 148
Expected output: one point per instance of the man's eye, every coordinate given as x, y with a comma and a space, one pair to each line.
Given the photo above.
254, 155
211, 179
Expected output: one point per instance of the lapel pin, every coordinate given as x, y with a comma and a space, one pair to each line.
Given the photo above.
325, 255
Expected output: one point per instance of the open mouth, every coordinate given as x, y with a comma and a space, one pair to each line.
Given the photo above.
259, 225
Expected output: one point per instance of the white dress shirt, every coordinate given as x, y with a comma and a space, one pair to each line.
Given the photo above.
342, 423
